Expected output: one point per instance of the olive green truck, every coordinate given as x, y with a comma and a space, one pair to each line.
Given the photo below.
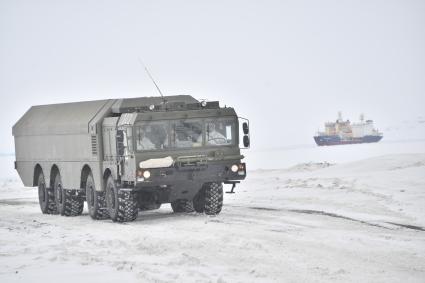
126, 155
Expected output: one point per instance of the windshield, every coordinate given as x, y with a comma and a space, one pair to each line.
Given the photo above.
187, 133
152, 136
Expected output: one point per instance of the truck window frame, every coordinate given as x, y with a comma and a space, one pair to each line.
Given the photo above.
234, 131
204, 145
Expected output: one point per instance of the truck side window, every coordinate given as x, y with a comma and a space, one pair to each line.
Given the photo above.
125, 142
220, 132
129, 140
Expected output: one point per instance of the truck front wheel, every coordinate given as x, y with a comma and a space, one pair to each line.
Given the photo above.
46, 196
122, 204
209, 199
96, 202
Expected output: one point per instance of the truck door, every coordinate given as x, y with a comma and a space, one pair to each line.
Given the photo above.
125, 152
109, 132
111, 156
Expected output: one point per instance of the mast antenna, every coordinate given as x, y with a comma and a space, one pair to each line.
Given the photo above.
150, 76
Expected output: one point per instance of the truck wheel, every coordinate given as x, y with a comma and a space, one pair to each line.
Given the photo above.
59, 195
182, 205
73, 204
199, 201
46, 197
213, 198
96, 202
77, 204
209, 199
122, 205
68, 202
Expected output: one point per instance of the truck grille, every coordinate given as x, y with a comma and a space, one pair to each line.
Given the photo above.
94, 145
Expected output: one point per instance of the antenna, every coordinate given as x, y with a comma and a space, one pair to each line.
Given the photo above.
150, 76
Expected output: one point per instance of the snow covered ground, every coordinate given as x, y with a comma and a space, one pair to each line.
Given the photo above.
356, 221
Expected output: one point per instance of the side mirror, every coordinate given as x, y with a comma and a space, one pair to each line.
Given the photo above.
246, 141
245, 128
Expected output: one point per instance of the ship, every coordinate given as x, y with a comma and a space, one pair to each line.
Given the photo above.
345, 132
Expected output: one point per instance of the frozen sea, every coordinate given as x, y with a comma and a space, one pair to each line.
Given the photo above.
275, 158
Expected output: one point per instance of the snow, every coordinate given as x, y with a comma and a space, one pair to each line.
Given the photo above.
360, 220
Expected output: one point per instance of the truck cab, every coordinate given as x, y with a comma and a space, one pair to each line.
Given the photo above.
173, 152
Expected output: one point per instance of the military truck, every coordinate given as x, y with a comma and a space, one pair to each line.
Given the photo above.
126, 155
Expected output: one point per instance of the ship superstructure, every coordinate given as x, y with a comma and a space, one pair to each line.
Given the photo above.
345, 132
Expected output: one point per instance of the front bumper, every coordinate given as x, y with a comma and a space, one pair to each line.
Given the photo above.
212, 172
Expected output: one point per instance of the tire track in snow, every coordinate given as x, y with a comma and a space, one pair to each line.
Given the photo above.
330, 214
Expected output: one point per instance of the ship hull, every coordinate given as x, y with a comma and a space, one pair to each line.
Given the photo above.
336, 140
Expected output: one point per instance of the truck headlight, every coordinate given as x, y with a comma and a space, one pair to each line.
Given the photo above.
146, 174
234, 168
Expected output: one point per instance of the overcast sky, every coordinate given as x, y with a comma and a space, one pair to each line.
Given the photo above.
286, 65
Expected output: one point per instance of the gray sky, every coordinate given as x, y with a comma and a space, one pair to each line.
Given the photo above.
287, 65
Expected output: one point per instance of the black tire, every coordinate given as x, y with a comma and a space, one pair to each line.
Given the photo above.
122, 205
68, 202
209, 199
46, 197
199, 201
96, 201
74, 203
182, 205
58, 192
